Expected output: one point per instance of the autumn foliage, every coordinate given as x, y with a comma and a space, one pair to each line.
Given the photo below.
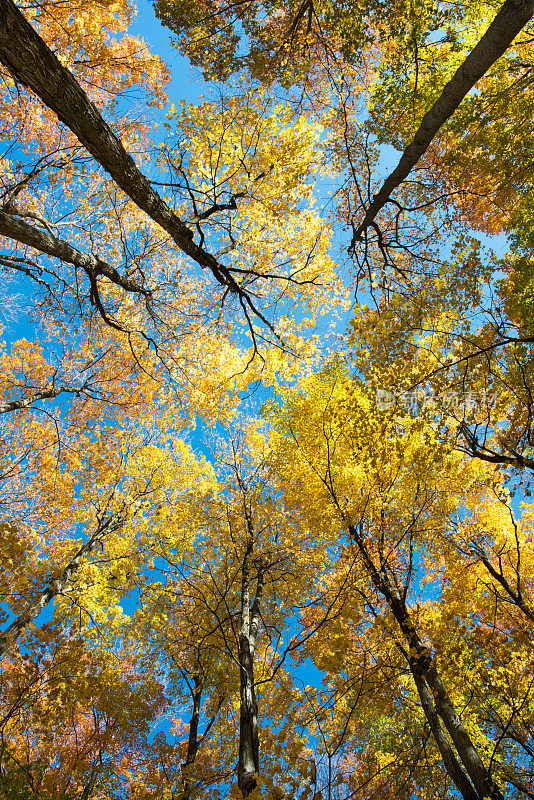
266, 403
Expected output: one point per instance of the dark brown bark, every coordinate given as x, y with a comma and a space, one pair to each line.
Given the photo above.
192, 741
450, 762
509, 21
421, 661
105, 526
35, 66
481, 451
515, 596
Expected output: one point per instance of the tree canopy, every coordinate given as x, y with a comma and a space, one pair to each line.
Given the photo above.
266, 395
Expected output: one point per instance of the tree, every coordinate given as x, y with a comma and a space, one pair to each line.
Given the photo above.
94, 508
348, 470
219, 620
334, 602
61, 92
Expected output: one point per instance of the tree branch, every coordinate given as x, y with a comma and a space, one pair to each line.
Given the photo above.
510, 19
46, 242
31, 62
106, 524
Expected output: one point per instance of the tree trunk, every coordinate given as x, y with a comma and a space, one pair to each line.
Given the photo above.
421, 662
248, 762
45, 242
510, 19
107, 525
31, 62
450, 762
26, 402
192, 741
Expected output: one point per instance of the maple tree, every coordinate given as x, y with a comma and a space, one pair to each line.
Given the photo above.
334, 600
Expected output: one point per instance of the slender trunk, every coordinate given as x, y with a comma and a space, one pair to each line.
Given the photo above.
515, 596
31, 62
192, 742
248, 762
509, 21
33, 609
421, 661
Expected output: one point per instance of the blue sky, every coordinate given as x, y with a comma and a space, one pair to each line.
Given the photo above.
186, 82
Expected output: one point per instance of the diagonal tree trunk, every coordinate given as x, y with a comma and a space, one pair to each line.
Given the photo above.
31, 62
105, 526
422, 665
509, 21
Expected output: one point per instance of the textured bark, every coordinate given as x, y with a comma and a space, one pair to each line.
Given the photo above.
105, 526
509, 21
34, 65
450, 762
46, 242
515, 596
480, 451
421, 661
248, 761
194, 741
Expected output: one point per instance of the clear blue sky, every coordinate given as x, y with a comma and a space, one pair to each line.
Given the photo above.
186, 82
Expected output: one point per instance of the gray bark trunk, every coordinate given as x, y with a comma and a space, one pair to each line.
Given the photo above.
33, 609
450, 762
509, 21
45, 242
26, 402
248, 762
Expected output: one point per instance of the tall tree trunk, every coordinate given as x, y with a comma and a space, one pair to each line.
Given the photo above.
192, 741
422, 665
450, 762
105, 526
249, 761
31, 62
509, 21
